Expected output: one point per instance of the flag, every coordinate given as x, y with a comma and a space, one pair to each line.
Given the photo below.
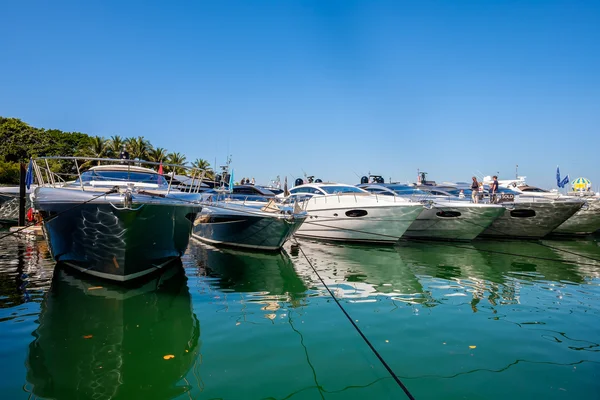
231, 182
564, 181
286, 192
160, 169
29, 176
557, 177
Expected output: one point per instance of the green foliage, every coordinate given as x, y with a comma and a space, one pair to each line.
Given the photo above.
176, 158
19, 141
9, 173
204, 165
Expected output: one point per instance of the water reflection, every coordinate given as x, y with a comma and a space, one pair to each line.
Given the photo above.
25, 270
267, 275
97, 340
430, 273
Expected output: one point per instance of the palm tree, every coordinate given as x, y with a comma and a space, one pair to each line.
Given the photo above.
176, 158
97, 147
138, 147
157, 155
114, 145
203, 165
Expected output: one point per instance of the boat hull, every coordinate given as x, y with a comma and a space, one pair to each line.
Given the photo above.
532, 219
441, 222
380, 224
583, 222
249, 229
117, 243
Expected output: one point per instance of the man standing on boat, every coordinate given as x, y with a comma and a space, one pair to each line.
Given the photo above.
494, 189
124, 153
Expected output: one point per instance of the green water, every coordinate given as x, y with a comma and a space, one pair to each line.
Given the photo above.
453, 321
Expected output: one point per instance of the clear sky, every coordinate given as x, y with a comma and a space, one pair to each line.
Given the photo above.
334, 88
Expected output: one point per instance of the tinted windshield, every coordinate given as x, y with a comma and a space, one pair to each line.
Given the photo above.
340, 189
124, 176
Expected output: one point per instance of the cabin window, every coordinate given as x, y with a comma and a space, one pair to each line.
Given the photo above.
522, 213
356, 213
448, 214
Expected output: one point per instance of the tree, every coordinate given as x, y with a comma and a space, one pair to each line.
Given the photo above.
97, 147
176, 158
204, 165
138, 148
157, 155
115, 145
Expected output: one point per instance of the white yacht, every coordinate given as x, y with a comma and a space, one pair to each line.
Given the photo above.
446, 217
585, 221
347, 213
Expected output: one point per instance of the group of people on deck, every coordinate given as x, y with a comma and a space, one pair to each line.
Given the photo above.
477, 189
246, 181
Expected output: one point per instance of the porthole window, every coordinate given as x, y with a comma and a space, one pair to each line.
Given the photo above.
522, 213
448, 214
356, 213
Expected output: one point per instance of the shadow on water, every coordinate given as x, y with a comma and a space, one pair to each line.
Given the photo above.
99, 340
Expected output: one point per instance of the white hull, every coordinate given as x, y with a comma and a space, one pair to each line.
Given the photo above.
448, 220
384, 222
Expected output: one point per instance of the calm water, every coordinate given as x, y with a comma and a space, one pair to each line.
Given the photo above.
453, 321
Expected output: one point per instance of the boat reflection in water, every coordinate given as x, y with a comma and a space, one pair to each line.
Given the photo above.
358, 272
100, 341
432, 273
271, 276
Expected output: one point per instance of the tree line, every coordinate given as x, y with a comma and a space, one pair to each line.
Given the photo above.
20, 141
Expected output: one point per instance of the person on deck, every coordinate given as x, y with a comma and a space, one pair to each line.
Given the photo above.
475, 190
124, 153
494, 189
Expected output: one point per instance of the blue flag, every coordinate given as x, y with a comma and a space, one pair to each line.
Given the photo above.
557, 177
564, 181
231, 182
29, 176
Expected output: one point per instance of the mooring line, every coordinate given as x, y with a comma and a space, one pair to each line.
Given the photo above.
385, 364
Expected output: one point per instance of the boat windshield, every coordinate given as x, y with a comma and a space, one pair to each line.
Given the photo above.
533, 189
406, 190
340, 189
122, 176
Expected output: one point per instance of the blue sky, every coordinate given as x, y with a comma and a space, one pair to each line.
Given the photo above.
334, 88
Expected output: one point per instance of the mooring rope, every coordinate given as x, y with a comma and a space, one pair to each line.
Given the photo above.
113, 190
367, 341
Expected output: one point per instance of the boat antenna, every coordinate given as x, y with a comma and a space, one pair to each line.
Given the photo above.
517, 171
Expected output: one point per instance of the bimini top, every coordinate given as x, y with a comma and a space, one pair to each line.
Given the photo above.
122, 167
121, 175
327, 189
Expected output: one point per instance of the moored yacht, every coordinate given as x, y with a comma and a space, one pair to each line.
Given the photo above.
347, 213
247, 221
118, 221
445, 216
530, 217
585, 221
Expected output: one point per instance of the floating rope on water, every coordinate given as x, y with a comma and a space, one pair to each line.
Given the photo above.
383, 362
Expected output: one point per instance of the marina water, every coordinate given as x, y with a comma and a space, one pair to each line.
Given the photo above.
488, 319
